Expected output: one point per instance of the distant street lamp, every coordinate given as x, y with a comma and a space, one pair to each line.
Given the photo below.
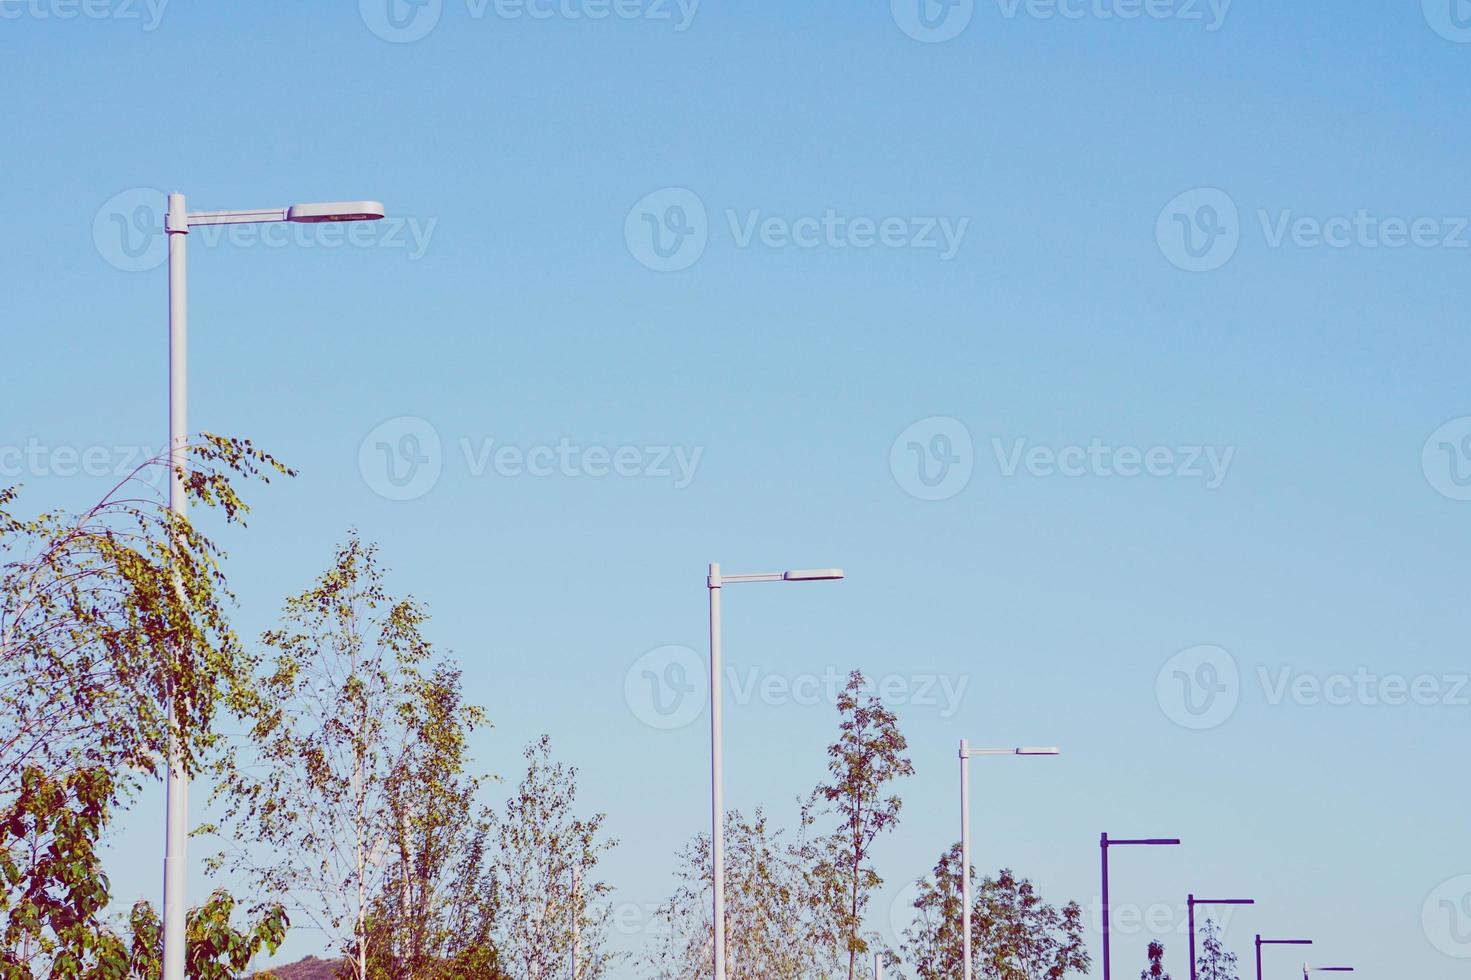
966, 754
177, 223
1190, 904
715, 583
1260, 942
1306, 970
1106, 843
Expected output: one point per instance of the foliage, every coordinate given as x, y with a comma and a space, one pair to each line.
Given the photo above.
435, 915
545, 868
53, 894
109, 615
1156, 968
345, 716
1215, 962
774, 920
933, 940
866, 758
1014, 934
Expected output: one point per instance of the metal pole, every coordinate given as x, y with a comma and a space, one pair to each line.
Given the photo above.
1190, 904
965, 858
1258, 956
576, 916
1106, 969
717, 776
176, 225
878, 966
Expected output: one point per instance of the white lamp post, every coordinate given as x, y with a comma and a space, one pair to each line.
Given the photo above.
966, 754
715, 583
177, 223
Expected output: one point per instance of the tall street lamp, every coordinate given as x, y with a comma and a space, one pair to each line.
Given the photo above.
1190, 904
177, 223
966, 754
1260, 942
1106, 843
715, 583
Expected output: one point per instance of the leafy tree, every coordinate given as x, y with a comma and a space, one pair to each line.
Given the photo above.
1156, 968
545, 870
1021, 937
774, 920
933, 940
108, 615
1014, 934
436, 913
1215, 963
53, 894
346, 719
866, 758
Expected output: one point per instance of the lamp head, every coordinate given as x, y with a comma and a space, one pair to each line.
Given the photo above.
311, 214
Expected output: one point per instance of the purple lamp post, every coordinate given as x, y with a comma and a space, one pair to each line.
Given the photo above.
1106, 843
1260, 942
1191, 902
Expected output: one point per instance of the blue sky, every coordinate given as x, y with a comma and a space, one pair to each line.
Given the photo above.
889, 267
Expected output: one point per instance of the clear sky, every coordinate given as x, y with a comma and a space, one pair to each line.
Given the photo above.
1107, 346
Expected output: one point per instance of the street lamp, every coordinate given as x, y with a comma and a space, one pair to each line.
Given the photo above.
966, 754
1306, 970
1260, 942
715, 583
1190, 903
177, 223
1106, 843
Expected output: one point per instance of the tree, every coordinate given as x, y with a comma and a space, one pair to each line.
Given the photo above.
1014, 934
933, 940
545, 870
1020, 937
866, 758
53, 894
435, 915
1215, 963
108, 615
343, 721
1156, 968
773, 916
